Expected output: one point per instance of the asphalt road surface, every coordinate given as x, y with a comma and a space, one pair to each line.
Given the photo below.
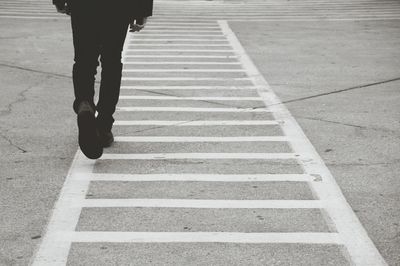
247, 133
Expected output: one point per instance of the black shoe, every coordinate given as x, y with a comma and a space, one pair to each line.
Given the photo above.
106, 138
88, 135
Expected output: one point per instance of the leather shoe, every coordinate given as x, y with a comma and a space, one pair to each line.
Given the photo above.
89, 141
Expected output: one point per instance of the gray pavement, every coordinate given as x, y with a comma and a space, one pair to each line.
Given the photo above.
307, 63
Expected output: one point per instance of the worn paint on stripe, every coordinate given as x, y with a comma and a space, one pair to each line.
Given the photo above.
202, 178
201, 139
196, 123
203, 237
202, 204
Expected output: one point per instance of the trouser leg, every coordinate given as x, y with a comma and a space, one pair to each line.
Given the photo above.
86, 47
111, 49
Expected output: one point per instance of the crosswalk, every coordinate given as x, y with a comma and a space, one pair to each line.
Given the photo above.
208, 167
175, 11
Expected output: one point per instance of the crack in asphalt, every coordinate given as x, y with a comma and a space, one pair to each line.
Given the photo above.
395, 161
20, 98
173, 125
231, 105
330, 121
9, 109
386, 130
205, 101
11, 143
333, 92
150, 91
35, 71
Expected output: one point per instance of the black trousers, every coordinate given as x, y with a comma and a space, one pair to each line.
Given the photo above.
99, 30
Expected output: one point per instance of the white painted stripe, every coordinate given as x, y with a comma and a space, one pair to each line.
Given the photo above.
289, 16
213, 40
188, 23
174, 30
182, 70
198, 28
263, 13
209, 204
188, 88
186, 79
182, 35
66, 214
205, 156
394, 17
178, 44
196, 123
360, 247
279, 12
183, 56
190, 109
167, 27
201, 139
181, 63
203, 237
202, 178
173, 98
180, 50
177, 22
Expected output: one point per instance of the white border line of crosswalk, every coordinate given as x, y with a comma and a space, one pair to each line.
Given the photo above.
202, 237
66, 213
360, 247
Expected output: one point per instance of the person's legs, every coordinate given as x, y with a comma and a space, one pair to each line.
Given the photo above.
112, 42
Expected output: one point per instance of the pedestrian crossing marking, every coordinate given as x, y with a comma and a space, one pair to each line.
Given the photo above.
202, 139
191, 109
203, 178
202, 204
195, 123
348, 233
188, 87
182, 70
202, 237
190, 98
205, 156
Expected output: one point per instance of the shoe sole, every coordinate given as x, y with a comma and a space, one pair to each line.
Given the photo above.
88, 139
